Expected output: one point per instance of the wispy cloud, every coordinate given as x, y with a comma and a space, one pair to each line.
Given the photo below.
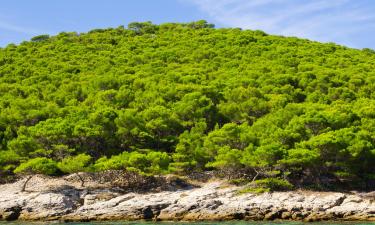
18, 29
322, 20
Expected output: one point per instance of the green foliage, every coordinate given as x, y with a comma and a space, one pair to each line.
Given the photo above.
75, 164
37, 166
200, 24
300, 158
141, 28
116, 162
239, 181
149, 163
254, 190
189, 153
159, 162
8, 160
267, 185
274, 184
226, 158
179, 97
40, 38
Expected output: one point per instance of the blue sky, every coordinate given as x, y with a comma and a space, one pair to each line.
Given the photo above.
347, 22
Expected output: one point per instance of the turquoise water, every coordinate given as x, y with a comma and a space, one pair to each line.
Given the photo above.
194, 223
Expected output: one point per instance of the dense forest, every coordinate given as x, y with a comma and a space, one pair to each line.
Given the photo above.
188, 97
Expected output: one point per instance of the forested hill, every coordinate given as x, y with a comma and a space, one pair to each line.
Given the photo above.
176, 98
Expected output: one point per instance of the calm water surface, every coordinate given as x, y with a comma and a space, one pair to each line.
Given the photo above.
193, 223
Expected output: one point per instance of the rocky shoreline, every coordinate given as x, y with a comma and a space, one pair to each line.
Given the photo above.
59, 199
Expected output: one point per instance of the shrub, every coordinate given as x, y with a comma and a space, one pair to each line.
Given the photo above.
274, 184
267, 185
159, 162
255, 190
239, 181
40, 165
40, 38
75, 164
116, 162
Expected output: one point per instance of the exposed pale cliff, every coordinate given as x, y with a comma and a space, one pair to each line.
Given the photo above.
63, 199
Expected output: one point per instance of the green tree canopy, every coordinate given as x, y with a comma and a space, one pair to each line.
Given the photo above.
185, 97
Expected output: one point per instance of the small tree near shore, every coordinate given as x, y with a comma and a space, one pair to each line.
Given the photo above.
76, 164
34, 166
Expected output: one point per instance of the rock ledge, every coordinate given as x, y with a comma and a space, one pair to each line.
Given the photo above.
59, 200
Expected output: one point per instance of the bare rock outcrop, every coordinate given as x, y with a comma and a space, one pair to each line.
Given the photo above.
57, 199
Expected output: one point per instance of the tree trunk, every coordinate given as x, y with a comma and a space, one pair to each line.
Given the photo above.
256, 175
24, 184
81, 179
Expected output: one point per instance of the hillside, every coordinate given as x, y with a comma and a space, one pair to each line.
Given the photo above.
177, 98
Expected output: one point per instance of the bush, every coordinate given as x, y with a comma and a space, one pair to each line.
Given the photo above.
267, 185
239, 181
40, 165
274, 184
75, 164
159, 162
148, 163
8, 160
40, 38
116, 162
255, 190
